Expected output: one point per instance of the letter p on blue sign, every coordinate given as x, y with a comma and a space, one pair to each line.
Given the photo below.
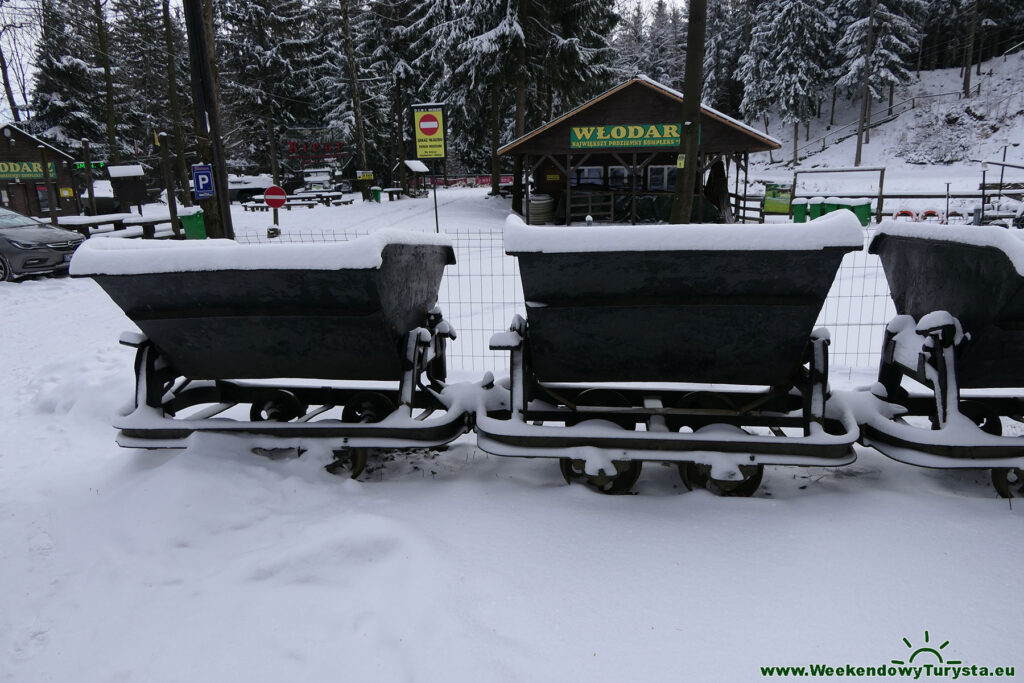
202, 181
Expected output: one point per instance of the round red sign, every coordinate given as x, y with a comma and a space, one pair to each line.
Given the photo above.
275, 196
429, 124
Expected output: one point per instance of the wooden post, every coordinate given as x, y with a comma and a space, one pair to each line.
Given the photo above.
568, 188
881, 196
524, 164
682, 205
88, 176
172, 202
50, 194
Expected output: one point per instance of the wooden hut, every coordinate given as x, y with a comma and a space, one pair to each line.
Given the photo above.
23, 186
615, 157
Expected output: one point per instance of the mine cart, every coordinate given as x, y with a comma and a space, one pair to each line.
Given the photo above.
338, 341
691, 344
959, 293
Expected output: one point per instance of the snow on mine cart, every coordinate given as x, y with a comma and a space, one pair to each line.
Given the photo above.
686, 344
959, 295
289, 344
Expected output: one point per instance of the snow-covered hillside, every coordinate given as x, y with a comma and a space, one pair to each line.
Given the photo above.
925, 146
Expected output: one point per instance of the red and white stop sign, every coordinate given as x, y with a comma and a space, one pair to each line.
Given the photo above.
275, 196
429, 124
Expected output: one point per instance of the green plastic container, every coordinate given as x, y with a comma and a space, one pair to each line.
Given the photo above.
829, 205
375, 191
862, 209
800, 210
195, 226
814, 207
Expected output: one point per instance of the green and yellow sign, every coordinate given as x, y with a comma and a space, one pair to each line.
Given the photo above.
25, 170
625, 135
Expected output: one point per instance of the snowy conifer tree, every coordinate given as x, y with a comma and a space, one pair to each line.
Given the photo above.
721, 57
65, 96
137, 48
798, 52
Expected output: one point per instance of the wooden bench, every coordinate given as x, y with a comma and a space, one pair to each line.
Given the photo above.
254, 206
309, 204
341, 202
394, 193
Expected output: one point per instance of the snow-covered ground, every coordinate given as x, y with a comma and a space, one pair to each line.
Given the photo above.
213, 564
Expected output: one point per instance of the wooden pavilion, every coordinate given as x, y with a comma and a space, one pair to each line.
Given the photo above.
615, 157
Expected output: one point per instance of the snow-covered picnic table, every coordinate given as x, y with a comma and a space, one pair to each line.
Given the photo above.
89, 225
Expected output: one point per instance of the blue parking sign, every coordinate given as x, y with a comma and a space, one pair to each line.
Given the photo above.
202, 181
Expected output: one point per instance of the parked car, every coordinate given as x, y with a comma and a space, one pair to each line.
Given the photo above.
31, 247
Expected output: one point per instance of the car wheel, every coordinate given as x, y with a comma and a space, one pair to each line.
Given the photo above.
6, 274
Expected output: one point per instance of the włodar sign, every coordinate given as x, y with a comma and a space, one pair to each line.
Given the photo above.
25, 170
626, 135
428, 125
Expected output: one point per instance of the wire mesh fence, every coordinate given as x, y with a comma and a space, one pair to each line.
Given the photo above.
481, 293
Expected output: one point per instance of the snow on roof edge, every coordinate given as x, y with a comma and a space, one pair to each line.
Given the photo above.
651, 82
38, 140
837, 229
137, 257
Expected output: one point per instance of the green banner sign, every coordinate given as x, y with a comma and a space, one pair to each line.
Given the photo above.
626, 135
25, 170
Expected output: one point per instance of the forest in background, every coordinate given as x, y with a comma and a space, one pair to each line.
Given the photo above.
114, 72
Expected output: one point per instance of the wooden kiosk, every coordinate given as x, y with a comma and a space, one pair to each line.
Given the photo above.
615, 157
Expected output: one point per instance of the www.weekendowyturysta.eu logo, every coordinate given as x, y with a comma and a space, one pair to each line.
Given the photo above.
926, 660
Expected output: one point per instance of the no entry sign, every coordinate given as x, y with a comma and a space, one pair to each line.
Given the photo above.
428, 125
275, 196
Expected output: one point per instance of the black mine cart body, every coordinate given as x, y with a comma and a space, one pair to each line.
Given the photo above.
959, 296
341, 341
687, 344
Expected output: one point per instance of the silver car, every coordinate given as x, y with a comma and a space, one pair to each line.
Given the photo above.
31, 247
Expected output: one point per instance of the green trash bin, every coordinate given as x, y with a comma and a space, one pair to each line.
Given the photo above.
814, 207
375, 191
829, 205
800, 210
195, 227
862, 209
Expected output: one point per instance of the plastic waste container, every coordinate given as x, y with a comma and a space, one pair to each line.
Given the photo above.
195, 226
800, 210
375, 192
862, 209
829, 205
814, 207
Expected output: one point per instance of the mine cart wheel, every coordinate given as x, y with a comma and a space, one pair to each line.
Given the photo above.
697, 476
698, 400
626, 471
602, 397
1008, 482
626, 474
348, 462
367, 406
280, 406
982, 415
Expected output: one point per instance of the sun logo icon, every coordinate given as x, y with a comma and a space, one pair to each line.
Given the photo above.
926, 649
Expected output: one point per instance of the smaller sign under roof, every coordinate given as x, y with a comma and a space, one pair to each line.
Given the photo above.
126, 171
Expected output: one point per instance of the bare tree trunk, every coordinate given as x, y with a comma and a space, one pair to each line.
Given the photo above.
114, 154
832, 115
7, 87
682, 205
175, 105
495, 139
796, 137
969, 48
771, 159
353, 81
520, 120
892, 94
865, 92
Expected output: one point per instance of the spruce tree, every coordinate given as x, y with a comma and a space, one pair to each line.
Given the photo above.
66, 93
